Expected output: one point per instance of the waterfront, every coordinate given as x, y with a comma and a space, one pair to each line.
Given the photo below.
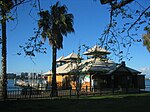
37, 84
15, 92
11, 85
147, 85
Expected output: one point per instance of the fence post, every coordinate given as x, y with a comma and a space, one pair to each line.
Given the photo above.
77, 89
30, 92
70, 92
100, 90
113, 86
86, 88
19, 93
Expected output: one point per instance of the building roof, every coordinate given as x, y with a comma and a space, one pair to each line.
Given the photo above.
97, 65
96, 50
105, 66
64, 69
133, 70
93, 65
71, 56
60, 59
121, 68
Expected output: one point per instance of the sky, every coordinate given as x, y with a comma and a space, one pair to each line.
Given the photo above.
90, 19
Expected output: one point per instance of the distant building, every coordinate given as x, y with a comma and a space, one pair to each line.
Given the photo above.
24, 75
33, 75
11, 75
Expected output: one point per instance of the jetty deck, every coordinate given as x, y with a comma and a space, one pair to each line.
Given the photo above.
33, 84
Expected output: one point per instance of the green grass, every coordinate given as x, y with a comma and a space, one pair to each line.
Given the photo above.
110, 103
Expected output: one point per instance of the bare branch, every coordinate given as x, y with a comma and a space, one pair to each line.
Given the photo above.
21, 2
138, 18
39, 6
121, 4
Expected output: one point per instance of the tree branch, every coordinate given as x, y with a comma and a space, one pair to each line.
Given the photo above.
138, 18
121, 4
21, 2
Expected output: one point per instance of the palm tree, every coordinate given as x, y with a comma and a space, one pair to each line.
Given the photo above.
146, 38
54, 25
5, 7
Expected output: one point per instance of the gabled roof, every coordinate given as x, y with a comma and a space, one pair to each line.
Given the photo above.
97, 65
93, 65
64, 69
105, 66
133, 70
71, 56
121, 68
96, 50
60, 59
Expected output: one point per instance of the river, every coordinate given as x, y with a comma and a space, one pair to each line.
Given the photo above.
147, 85
11, 86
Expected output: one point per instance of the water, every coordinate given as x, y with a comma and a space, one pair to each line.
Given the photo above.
11, 86
147, 85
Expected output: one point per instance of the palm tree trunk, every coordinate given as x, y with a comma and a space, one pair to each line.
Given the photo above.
4, 54
54, 83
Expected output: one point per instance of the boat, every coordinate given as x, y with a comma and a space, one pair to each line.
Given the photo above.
21, 83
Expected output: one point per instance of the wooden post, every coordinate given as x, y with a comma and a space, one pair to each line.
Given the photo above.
70, 91
127, 84
112, 78
30, 93
90, 83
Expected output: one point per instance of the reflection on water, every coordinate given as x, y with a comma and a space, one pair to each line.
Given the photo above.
11, 86
147, 85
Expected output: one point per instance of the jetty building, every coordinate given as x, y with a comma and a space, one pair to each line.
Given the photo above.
96, 72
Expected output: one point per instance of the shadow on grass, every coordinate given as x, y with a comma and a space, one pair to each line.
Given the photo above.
111, 103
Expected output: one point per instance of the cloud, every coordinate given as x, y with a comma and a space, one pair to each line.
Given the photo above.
146, 71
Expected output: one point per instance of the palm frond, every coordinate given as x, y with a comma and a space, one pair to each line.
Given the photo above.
146, 41
55, 24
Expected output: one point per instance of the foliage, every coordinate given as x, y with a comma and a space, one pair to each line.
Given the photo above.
10, 6
6, 6
55, 24
33, 45
146, 38
52, 25
125, 22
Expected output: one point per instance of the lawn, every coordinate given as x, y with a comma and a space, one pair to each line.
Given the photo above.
110, 103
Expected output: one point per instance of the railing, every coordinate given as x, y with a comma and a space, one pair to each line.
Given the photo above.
30, 93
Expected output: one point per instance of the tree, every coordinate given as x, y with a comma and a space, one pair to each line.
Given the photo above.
5, 7
121, 35
146, 38
54, 25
